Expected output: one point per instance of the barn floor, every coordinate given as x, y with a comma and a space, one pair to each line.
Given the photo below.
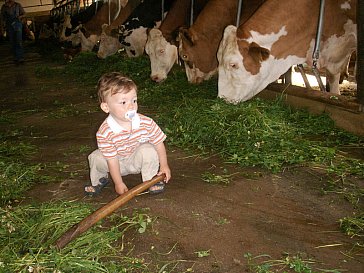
258, 213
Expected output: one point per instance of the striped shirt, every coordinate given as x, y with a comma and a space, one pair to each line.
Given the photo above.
115, 141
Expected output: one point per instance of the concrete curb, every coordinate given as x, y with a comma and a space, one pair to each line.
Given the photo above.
347, 113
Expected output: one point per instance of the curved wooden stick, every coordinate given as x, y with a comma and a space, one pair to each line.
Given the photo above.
104, 211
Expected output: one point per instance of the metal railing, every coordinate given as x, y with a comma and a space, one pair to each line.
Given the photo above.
70, 7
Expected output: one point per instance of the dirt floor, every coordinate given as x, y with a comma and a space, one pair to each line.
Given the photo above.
258, 213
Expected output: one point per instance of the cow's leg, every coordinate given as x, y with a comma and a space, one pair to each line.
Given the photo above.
333, 81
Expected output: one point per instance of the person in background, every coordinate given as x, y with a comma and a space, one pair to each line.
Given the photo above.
12, 14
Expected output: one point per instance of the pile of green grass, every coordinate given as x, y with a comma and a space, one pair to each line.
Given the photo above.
28, 234
17, 176
288, 263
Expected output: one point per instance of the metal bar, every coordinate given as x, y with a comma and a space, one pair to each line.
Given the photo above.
191, 12
162, 17
239, 12
316, 51
319, 80
118, 11
108, 1
304, 76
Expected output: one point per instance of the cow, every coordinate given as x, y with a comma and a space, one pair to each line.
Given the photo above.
88, 33
161, 45
132, 33
198, 44
71, 22
272, 40
109, 41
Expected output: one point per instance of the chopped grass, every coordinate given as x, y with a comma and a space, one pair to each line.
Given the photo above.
28, 233
17, 176
353, 226
288, 263
222, 179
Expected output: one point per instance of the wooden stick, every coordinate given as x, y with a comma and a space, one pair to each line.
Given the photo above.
104, 211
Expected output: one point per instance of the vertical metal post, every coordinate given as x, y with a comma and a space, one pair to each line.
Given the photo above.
191, 12
108, 1
316, 51
240, 3
96, 7
162, 10
360, 54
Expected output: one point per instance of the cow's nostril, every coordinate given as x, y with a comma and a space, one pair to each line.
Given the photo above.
155, 78
199, 80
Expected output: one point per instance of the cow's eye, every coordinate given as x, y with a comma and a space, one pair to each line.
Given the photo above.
184, 57
161, 51
234, 65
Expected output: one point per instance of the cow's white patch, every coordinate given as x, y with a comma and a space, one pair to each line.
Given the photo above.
266, 40
346, 5
136, 42
195, 75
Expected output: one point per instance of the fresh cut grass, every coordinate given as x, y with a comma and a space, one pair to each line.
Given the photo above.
28, 234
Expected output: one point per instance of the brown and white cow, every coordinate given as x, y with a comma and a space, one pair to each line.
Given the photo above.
280, 34
198, 44
161, 43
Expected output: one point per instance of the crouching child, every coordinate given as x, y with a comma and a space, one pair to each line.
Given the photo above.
128, 142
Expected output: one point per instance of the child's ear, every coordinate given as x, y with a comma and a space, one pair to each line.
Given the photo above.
104, 107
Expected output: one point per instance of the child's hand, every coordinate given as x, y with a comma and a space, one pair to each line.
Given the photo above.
120, 188
167, 172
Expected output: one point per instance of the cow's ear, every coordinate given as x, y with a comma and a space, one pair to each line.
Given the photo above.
186, 35
173, 38
114, 32
104, 28
259, 54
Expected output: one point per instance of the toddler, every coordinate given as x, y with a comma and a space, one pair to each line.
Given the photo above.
128, 142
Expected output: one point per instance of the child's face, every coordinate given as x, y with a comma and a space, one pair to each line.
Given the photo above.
119, 104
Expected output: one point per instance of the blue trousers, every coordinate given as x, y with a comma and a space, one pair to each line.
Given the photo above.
15, 33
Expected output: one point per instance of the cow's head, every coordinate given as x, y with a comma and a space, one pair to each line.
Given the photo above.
193, 50
109, 45
66, 28
245, 68
161, 53
134, 41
